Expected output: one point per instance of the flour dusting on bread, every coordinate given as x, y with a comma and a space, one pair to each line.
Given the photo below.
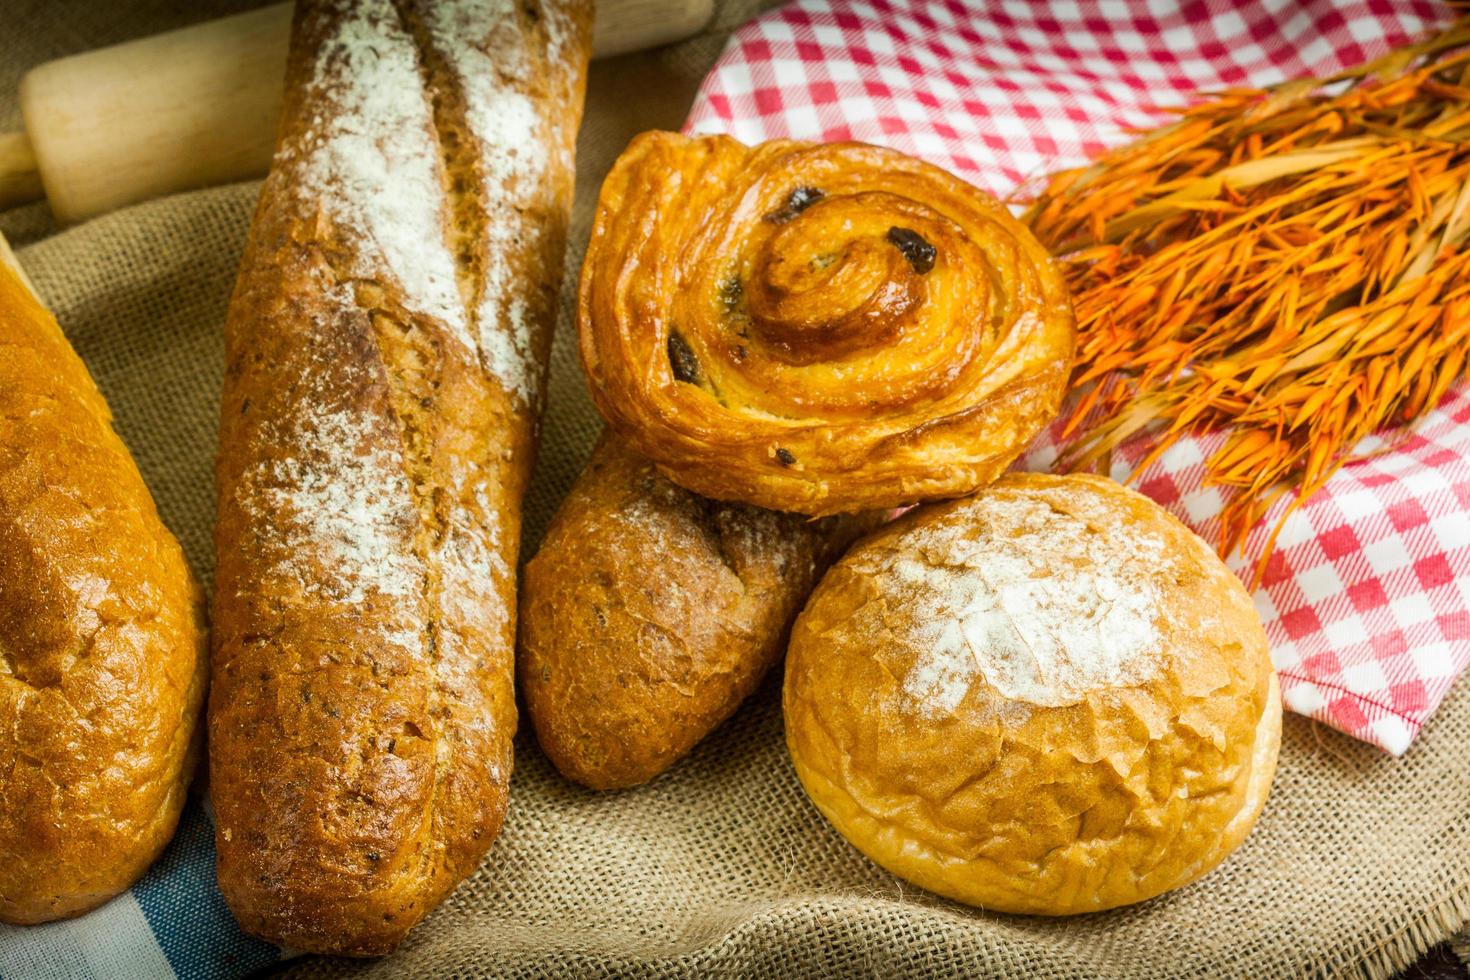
1046, 596
372, 167
373, 458
471, 559
344, 504
514, 144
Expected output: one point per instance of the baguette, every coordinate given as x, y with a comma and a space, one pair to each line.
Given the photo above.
650, 613
102, 658
386, 349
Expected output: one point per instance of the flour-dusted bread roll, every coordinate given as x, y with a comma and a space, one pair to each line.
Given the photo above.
386, 346
102, 659
650, 613
1048, 698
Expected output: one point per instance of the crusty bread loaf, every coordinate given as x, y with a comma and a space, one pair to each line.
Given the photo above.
1048, 698
102, 663
386, 346
649, 613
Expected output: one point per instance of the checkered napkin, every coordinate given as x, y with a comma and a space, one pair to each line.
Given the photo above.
1366, 600
172, 923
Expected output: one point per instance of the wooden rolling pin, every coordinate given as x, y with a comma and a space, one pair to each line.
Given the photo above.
198, 106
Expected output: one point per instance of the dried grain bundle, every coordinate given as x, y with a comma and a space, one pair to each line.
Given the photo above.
1288, 263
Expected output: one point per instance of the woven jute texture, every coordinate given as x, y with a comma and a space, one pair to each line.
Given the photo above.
721, 867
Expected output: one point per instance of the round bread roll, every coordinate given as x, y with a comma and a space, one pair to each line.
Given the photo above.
1049, 698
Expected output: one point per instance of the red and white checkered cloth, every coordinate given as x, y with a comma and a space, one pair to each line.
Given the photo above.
1367, 598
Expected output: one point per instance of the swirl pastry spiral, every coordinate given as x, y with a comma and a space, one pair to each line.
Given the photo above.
821, 328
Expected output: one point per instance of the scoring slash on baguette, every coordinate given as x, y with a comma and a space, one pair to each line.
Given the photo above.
386, 348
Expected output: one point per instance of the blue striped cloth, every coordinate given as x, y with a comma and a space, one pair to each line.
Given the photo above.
172, 923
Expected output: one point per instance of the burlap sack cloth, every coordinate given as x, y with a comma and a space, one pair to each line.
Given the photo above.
722, 867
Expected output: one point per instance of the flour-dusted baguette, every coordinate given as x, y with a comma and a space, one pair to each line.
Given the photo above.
650, 613
386, 346
102, 659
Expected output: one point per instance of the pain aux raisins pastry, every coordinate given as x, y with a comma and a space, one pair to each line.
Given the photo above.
819, 328
1050, 697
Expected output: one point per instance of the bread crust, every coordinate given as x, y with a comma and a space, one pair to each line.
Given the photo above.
386, 345
650, 613
976, 781
102, 658
820, 328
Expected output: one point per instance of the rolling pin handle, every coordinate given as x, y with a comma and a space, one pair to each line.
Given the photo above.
198, 106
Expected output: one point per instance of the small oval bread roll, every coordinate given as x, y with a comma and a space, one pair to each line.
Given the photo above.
1048, 698
649, 613
102, 661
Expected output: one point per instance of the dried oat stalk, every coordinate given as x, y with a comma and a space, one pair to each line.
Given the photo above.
1291, 264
